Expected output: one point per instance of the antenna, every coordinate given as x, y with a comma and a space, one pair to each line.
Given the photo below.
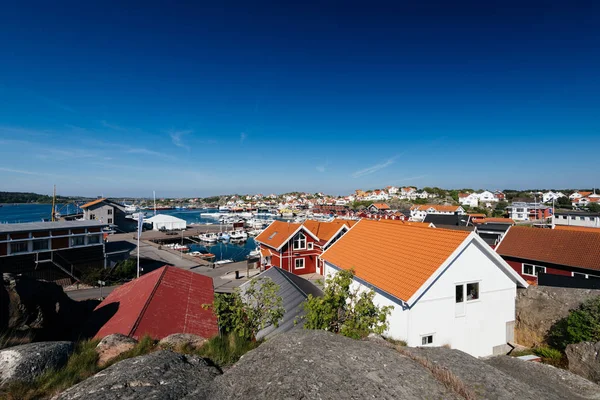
53, 204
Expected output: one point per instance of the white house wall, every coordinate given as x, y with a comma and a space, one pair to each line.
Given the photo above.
484, 324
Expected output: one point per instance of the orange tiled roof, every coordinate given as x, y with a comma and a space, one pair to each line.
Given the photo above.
91, 203
576, 228
572, 248
277, 233
463, 195
395, 258
325, 230
585, 194
381, 206
407, 223
477, 215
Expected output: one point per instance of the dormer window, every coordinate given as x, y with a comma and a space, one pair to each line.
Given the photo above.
300, 241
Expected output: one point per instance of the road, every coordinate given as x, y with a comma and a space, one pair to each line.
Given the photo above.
86, 294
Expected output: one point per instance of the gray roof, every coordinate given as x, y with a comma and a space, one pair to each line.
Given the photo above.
293, 290
45, 226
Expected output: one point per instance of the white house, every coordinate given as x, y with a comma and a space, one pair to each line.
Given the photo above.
446, 287
166, 222
549, 196
419, 212
468, 199
487, 197
392, 190
578, 195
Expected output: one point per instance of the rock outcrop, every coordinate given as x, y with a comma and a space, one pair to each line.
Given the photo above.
41, 308
162, 375
315, 364
540, 307
112, 346
28, 361
584, 360
180, 340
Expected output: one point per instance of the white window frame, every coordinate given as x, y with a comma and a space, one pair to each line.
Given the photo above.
297, 239
296, 263
586, 276
432, 335
465, 293
310, 246
534, 268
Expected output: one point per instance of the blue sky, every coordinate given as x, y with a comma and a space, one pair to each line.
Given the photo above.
192, 100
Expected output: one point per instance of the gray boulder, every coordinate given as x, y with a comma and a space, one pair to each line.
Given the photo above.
112, 346
320, 365
584, 360
159, 375
551, 382
28, 361
178, 340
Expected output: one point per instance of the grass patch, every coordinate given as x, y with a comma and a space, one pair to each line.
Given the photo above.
83, 363
226, 349
552, 356
395, 342
519, 353
11, 338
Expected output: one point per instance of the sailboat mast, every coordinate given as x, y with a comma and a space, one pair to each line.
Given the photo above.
53, 204
154, 193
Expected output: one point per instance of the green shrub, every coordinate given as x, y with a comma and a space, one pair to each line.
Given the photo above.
345, 310
581, 325
227, 349
548, 352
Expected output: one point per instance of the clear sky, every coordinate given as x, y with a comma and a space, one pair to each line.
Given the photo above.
120, 99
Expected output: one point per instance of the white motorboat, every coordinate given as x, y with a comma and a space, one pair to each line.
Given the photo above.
130, 208
208, 237
221, 262
238, 234
224, 236
255, 232
254, 253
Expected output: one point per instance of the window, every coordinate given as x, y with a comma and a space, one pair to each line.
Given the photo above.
94, 239
77, 241
109, 211
300, 241
39, 245
299, 263
472, 291
92, 217
520, 210
110, 221
272, 235
460, 297
425, 340
310, 246
19, 247
584, 276
533, 270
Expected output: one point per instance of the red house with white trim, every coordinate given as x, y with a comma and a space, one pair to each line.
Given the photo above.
296, 247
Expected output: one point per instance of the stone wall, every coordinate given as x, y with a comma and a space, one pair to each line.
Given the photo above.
539, 307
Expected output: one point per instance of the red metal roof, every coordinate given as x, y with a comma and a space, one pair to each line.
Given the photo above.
166, 301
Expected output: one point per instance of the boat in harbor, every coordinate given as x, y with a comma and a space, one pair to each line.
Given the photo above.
224, 236
208, 237
238, 234
226, 261
254, 253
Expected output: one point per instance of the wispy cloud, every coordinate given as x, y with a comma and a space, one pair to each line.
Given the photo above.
323, 167
141, 150
24, 172
177, 138
114, 127
374, 168
15, 130
243, 137
412, 178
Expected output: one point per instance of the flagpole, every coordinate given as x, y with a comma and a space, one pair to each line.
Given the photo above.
139, 233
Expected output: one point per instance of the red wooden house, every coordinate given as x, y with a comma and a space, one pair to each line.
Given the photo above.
296, 247
571, 253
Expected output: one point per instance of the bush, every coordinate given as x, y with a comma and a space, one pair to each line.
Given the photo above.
582, 325
246, 314
225, 350
548, 352
344, 310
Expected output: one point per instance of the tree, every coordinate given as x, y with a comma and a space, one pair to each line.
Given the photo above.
247, 312
594, 207
344, 310
582, 325
563, 201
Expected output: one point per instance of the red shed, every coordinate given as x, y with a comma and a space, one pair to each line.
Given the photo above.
166, 301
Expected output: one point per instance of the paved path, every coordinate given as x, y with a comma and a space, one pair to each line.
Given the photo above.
86, 294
